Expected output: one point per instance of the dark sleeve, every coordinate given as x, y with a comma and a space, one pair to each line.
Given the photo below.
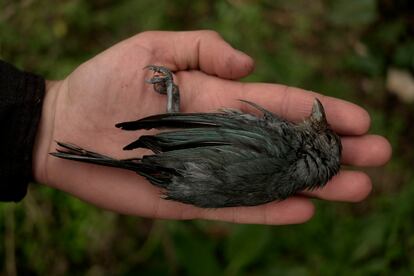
21, 99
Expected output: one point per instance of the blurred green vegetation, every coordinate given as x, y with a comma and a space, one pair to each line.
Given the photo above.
338, 47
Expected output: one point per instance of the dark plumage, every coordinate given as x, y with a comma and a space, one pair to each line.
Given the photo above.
229, 158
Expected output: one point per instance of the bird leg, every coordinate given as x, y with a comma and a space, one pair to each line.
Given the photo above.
163, 82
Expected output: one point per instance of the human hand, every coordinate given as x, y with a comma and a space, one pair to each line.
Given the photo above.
84, 107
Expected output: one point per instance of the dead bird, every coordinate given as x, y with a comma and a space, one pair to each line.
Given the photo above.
228, 158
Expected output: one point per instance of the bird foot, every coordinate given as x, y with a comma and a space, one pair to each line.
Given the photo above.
163, 82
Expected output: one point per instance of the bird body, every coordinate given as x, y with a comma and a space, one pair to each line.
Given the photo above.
228, 158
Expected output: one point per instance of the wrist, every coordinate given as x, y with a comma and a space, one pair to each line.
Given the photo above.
44, 135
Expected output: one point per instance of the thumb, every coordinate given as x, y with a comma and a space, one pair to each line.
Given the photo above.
201, 50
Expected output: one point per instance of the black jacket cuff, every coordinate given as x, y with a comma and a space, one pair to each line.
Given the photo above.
21, 100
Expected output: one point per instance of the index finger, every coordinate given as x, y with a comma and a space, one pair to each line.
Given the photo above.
206, 93
295, 104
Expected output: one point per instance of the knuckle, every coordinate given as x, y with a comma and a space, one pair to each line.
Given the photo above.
209, 34
149, 35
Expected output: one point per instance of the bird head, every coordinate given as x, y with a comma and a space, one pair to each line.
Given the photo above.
320, 137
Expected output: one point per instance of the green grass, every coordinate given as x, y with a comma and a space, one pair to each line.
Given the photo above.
340, 48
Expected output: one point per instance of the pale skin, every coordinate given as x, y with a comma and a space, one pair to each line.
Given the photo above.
84, 107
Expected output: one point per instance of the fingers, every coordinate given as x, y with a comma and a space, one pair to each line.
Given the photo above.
204, 93
204, 50
348, 186
293, 210
296, 104
207, 94
367, 150
290, 211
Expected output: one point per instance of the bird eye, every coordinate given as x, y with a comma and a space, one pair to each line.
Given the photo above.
330, 138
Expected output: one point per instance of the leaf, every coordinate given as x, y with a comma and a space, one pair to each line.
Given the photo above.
371, 239
196, 253
245, 245
352, 13
404, 55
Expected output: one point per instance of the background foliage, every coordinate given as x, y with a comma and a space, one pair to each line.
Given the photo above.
339, 47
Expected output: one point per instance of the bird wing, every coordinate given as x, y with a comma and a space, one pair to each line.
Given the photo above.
231, 127
255, 138
228, 118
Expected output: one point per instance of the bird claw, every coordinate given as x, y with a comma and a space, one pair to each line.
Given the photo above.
162, 77
163, 83
159, 69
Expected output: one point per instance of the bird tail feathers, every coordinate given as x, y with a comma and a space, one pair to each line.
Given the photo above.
157, 175
73, 152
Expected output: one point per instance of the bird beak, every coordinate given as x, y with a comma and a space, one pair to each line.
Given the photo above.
318, 112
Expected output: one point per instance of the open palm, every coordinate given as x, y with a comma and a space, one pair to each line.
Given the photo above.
83, 109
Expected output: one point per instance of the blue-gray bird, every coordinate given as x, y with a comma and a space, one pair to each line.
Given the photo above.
228, 158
